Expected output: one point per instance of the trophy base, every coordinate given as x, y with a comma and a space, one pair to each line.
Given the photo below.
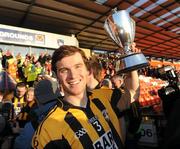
132, 62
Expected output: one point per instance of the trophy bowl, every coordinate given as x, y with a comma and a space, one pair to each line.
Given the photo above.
121, 29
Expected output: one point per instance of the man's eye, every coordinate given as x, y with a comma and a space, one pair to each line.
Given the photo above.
63, 70
78, 66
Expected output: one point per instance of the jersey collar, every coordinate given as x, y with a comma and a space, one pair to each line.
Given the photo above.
66, 105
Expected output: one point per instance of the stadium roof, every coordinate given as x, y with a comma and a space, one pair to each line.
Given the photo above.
157, 21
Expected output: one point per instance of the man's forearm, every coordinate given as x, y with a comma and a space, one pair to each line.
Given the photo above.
132, 84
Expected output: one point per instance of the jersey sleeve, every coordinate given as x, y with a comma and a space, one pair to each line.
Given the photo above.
47, 131
40, 138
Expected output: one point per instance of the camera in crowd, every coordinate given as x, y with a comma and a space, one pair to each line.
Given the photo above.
170, 93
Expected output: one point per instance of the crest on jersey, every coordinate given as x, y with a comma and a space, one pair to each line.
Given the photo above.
105, 114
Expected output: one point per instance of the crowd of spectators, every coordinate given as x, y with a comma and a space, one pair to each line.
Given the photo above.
19, 76
29, 68
29, 71
26, 69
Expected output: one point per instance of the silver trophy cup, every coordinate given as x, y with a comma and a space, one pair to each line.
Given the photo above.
121, 28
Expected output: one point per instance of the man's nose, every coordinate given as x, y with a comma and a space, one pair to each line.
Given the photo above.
72, 73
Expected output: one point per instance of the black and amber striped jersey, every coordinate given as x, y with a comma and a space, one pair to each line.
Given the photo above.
23, 115
68, 126
18, 103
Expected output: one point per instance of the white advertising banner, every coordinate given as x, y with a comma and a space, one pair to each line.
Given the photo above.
22, 36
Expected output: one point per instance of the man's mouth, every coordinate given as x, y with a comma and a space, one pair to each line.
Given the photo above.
74, 82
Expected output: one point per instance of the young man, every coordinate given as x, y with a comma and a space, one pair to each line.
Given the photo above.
19, 97
80, 120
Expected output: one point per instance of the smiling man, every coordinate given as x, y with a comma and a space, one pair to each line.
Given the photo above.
80, 119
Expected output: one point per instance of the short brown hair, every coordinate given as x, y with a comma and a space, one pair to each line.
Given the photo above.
64, 51
96, 67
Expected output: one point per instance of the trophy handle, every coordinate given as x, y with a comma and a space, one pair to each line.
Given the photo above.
133, 24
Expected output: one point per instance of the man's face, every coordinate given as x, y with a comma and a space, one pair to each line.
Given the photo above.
72, 74
20, 91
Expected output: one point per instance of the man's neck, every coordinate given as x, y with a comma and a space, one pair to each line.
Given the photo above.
80, 101
93, 85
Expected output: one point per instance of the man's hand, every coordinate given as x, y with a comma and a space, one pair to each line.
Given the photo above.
134, 49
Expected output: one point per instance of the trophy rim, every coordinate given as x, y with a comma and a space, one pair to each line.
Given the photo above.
127, 65
129, 69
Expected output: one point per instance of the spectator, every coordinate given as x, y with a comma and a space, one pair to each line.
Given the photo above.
95, 76
1, 56
118, 81
30, 103
4, 60
31, 73
42, 58
106, 83
6, 114
130, 112
19, 97
12, 67
20, 68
